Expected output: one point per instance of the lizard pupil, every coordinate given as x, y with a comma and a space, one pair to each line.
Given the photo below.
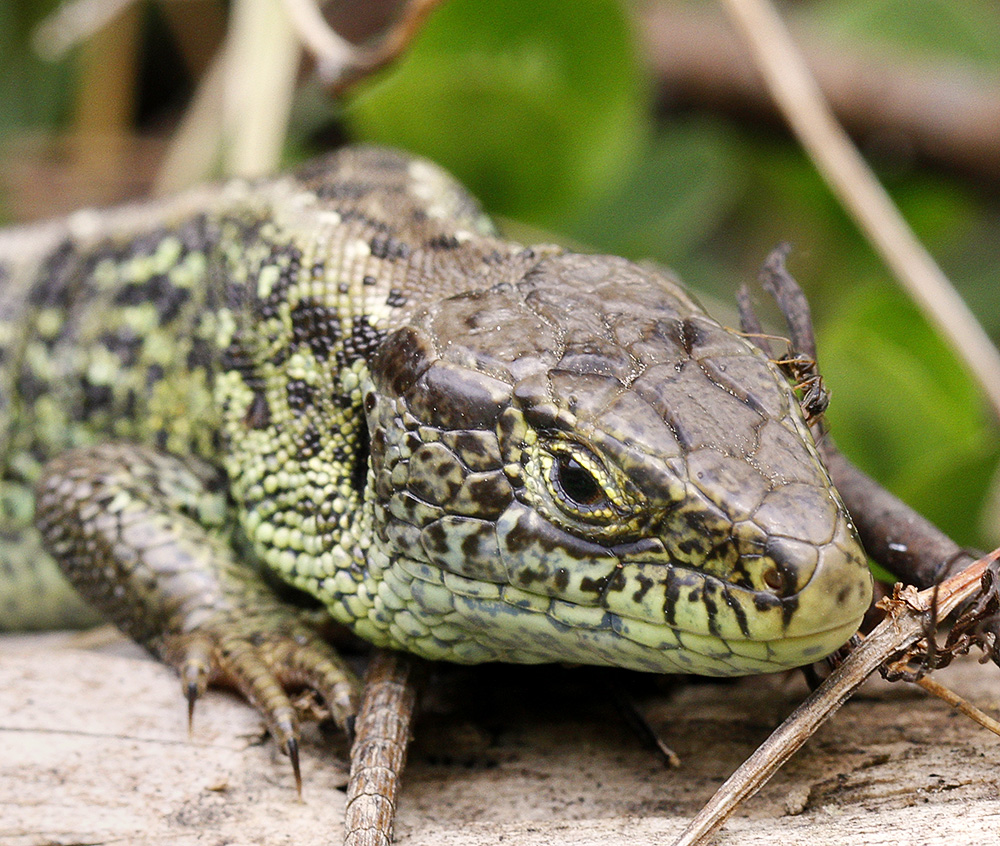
576, 483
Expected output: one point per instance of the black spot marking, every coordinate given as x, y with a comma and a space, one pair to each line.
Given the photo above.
310, 442
154, 374
470, 546
491, 493
437, 538
235, 296
51, 288
359, 471
387, 247
317, 326
616, 584
396, 298
200, 355
96, 398
237, 357
443, 242
521, 536
361, 343
158, 290
691, 545
738, 612
645, 583
527, 577
595, 585
712, 609
764, 601
258, 415
789, 605
671, 595
300, 395
124, 343
288, 259
280, 356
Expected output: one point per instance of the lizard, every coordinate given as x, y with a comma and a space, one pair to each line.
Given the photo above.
465, 448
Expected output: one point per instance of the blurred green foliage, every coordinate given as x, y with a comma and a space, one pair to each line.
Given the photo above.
34, 94
543, 108
538, 105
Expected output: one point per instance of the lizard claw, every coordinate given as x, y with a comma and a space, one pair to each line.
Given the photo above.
262, 655
292, 751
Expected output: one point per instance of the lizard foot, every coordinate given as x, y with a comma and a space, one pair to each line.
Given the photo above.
146, 538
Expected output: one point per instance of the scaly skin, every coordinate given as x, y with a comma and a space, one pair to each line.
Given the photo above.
564, 459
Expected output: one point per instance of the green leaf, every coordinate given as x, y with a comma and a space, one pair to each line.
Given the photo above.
536, 105
34, 94
943, 28
676, 197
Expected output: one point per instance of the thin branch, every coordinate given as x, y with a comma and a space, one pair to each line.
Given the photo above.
903, 541
802, 103
341, 63
331, 52
236, 122
959, 704
195, 148
72, 23
262, 62
895, 535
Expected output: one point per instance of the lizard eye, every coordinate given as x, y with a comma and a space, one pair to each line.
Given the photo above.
576, 484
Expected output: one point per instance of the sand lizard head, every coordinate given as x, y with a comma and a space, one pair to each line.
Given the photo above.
600, 473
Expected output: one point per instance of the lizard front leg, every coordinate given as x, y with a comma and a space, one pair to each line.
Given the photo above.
143, 536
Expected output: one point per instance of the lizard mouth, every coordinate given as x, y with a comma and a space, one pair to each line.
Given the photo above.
640, 610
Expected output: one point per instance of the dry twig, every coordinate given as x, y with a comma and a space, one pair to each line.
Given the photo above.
341, 63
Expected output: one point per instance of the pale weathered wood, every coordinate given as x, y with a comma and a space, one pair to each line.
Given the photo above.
94, 749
